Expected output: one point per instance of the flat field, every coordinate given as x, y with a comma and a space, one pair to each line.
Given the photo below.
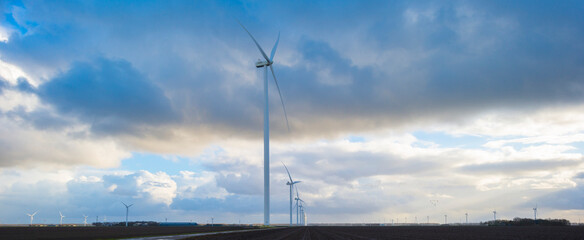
311, 232
103, 232
408, 232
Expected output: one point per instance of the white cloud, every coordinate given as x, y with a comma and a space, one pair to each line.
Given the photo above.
198, 185
25, 146
11, 73
11, 100
4, 34
546, 122
414, 16
159, 186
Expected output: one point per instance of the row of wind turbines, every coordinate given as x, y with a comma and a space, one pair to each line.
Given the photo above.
31, 215
466, 215
300, 214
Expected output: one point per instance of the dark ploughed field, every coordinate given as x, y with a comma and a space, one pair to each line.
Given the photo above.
437, 232
312, 232
102, 232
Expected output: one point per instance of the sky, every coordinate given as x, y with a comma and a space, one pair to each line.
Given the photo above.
397, 110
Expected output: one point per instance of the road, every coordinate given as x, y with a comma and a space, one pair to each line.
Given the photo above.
186, 236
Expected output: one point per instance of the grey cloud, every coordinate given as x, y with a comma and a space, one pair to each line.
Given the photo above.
516, 167
109, 94
231, 203
450, 65
579, 175
125, 185
42, 119
3, 84
566, 199
335, 166
247, 184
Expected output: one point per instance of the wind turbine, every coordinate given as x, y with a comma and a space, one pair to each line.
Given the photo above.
265, 64
466, 215
302, 213
85, 220
62, 216
32, 216
291, 184
127, 209
535, 213
297, 199
495, 215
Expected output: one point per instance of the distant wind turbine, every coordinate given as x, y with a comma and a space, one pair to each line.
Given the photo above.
265, 64
85, 220
466, 215
127, 209
292, 185
32, 216
297, 199
302, 213
62, 216
495, 215
535, 213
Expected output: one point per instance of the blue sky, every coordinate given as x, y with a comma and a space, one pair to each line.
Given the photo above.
391, 105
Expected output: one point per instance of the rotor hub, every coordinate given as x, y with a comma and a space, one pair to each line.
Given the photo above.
261, 64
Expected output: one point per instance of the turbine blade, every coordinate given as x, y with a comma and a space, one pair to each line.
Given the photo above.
288, 172
281, 98
274, 48
256, 42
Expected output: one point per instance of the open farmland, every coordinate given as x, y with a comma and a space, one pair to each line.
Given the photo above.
103, 232
409, 232
311, 232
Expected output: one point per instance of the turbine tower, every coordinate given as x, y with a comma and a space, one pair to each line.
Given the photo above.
495, 215
291, 184
535, 213
297, 199
302, 213
32, 216
466, 215
127, 209
265, 64
85, 220
62, 216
